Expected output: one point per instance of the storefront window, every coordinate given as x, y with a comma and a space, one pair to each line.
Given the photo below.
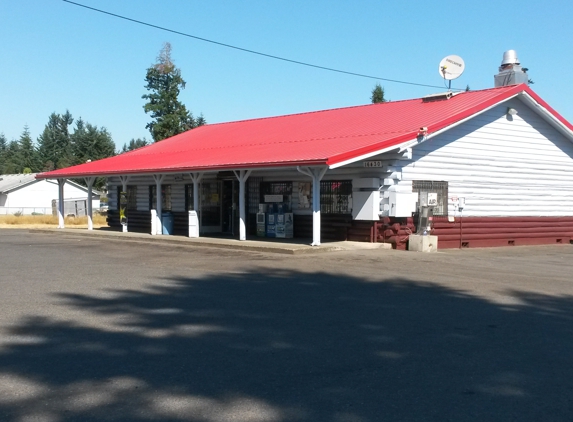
272, 191
336, 197
131, 197
210, 204
165, 197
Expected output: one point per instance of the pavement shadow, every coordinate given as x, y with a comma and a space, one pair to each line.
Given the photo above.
293, 346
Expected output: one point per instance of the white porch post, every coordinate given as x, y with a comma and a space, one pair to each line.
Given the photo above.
316, 174
158, 203
90, 183
242, 175
196, 179
61, 183
124, 180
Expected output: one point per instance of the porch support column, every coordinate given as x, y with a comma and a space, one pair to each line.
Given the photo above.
124, 180
61, 183
196, 179
242, 175
316, 174
158, 203
90, 184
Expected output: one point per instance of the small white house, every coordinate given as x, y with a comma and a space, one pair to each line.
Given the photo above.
24, 194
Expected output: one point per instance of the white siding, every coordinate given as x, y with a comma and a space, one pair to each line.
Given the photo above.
38, 197
518, 167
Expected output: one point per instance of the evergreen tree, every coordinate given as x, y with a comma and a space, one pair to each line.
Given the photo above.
90, 143
378, 95
164, 82
134, 144
3, 149
27, 154
54, 144
11, 162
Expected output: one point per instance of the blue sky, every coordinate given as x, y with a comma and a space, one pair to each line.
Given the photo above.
58, 57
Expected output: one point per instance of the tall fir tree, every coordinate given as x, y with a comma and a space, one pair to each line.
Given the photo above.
11, 162
378, 95
3, 149
27, 154
164, 83
134, 144
90, 143
54, 144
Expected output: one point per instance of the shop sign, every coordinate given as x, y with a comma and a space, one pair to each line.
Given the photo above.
273, 198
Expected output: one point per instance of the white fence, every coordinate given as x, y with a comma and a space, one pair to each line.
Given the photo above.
77, 208
25, 211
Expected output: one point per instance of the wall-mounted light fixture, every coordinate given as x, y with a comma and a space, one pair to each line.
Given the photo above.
511, 111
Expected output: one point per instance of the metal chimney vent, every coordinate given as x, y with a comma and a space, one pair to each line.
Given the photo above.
510, 71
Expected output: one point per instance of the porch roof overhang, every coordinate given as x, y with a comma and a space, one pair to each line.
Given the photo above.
331, 138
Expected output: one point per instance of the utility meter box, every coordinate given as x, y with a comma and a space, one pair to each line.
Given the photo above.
366, 199
401, 204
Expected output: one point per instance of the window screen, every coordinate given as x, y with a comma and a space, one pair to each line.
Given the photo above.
439, 187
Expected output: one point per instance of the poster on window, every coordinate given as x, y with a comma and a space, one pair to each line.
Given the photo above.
304, 195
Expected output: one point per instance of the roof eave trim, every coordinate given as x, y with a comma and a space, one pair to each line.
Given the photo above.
257, 166
365, 156
20, 186
554, 118
438, 132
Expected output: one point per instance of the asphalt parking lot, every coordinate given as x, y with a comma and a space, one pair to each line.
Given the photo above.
93, 329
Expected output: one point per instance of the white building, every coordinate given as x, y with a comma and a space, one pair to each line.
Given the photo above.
24, 194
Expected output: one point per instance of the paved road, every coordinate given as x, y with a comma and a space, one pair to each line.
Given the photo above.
99, 331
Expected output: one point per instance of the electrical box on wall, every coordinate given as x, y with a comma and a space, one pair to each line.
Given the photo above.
401, 204
366, 199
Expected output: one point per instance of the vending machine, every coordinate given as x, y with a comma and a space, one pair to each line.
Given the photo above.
289, 225
280, 226
271, 225
261, 227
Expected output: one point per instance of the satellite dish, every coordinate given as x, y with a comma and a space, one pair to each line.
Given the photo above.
451, 67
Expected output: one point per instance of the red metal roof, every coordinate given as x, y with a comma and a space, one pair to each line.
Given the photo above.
323, 137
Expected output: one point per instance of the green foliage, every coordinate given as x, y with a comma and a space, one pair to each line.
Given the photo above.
134, 144
378, 95
27, 155
11, 160
164, 83
3, 149
27, 170
54, 144
90, 143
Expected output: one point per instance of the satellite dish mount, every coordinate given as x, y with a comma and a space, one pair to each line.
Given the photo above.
451, 67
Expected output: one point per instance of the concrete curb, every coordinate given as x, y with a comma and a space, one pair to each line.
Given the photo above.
247, 245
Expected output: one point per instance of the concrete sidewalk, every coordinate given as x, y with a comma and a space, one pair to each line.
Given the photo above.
283, 246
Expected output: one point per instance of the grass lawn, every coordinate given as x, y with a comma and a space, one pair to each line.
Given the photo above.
21, 221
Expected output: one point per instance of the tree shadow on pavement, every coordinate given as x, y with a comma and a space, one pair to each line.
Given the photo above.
292, 346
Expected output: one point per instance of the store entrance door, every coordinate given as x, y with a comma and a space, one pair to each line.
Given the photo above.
230, 207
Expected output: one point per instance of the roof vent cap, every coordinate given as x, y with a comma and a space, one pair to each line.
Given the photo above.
510, 57
439, 97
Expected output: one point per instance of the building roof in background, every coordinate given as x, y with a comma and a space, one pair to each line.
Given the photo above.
9, 182
326, 137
